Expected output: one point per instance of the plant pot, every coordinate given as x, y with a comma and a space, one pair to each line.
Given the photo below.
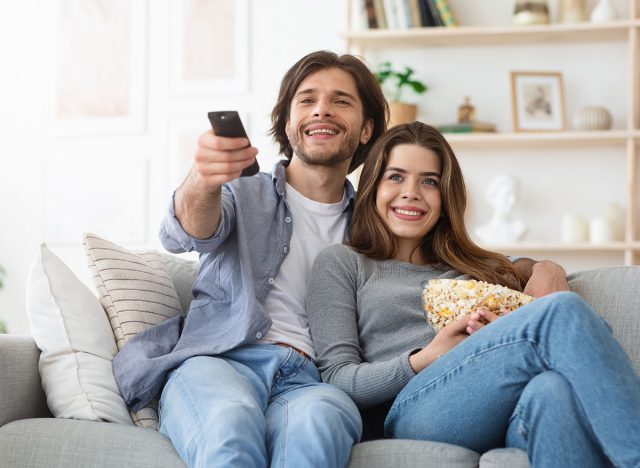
400, 112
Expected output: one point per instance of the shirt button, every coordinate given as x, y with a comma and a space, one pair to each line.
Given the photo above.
286, 249
271, 281
258, 335
287, 219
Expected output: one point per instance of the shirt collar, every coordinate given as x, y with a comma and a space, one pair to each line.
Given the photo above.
279, 180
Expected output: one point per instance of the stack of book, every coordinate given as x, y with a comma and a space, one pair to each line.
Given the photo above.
404, 14
467, 127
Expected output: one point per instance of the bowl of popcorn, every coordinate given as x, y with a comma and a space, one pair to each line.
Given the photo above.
446, 300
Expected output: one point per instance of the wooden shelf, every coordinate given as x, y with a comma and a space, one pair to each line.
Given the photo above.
583, 37
542, 139
562, 247
502, 35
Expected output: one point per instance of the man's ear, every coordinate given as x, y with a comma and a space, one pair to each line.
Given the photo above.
367, 131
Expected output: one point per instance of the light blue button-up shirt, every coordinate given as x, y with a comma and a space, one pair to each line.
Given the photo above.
238, 265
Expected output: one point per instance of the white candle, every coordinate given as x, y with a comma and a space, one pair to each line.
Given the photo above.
600, 230
574, 228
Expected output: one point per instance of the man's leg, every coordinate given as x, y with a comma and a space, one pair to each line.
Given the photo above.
550, 426
468, 396
309, 423
212, 409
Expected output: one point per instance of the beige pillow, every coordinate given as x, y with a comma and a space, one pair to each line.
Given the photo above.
136, 292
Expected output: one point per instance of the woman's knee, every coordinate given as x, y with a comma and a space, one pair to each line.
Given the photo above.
548, 384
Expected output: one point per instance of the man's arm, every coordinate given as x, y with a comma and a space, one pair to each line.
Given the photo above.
541, 277
197, 201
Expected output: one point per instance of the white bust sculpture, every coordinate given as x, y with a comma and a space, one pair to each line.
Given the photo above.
502, 194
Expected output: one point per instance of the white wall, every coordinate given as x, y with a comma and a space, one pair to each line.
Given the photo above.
32, 161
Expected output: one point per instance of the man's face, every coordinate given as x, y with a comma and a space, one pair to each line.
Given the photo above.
326, 122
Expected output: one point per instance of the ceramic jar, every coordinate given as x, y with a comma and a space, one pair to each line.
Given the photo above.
592, 118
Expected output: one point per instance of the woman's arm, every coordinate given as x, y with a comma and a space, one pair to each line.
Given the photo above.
333, 320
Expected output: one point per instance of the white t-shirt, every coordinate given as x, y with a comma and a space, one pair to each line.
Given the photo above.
315, 226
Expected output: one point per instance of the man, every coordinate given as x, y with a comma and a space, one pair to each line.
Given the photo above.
240, 385
245, 390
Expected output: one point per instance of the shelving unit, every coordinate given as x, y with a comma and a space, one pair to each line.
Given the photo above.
626, 32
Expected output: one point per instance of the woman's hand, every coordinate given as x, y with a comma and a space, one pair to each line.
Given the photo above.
444, 341
479, 319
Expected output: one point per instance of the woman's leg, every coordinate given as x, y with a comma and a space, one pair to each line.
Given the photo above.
547, 415
467, 397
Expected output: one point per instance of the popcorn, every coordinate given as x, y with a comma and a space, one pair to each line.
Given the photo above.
446, 300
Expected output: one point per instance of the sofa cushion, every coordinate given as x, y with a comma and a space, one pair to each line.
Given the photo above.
72, 331
613, 293
21, 394
505, 458
136, 292
64, 443
399, 453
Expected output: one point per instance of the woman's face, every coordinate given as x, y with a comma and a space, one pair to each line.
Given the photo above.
408, 195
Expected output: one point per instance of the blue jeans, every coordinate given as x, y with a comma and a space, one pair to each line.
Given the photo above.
257, 406
549, 378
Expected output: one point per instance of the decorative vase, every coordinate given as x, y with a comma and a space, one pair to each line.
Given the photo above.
572, 11
400, 112
592, 118
531, 12
604, 11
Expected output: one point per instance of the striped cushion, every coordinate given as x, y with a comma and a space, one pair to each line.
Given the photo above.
136, 292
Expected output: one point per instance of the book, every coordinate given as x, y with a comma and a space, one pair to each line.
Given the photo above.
426, 15
467, 127
433, 13
416, 16
444, 10
381, 19
390, 14
370, 11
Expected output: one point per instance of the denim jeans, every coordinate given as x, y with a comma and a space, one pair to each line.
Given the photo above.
548, 378
257, 406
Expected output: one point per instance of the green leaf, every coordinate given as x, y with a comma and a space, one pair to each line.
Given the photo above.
394, 81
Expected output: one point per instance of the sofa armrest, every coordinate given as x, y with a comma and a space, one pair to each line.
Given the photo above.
21, 394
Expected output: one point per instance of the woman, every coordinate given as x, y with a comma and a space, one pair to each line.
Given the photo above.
548, 378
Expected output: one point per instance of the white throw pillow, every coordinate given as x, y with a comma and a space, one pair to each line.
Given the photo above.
72, 330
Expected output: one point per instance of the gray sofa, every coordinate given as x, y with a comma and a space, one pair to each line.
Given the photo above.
31, 437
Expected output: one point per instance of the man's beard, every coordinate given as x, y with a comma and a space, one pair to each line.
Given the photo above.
344, 153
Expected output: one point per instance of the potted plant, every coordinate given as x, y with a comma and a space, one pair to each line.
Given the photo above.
394, 82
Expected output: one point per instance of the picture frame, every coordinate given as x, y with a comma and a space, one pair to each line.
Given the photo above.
537, 100
209, 46
98, 67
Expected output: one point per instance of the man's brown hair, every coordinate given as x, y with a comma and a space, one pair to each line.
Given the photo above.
374, 104
448, 242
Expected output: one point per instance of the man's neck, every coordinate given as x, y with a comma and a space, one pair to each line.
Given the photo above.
318, 183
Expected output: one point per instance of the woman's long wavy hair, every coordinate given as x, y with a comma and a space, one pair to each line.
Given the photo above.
448, 242
374, 105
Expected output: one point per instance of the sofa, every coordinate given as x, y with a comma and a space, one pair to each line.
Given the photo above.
31, 437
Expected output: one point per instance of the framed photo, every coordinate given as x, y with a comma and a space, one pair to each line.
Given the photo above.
537, 100
209, 46
98, 65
